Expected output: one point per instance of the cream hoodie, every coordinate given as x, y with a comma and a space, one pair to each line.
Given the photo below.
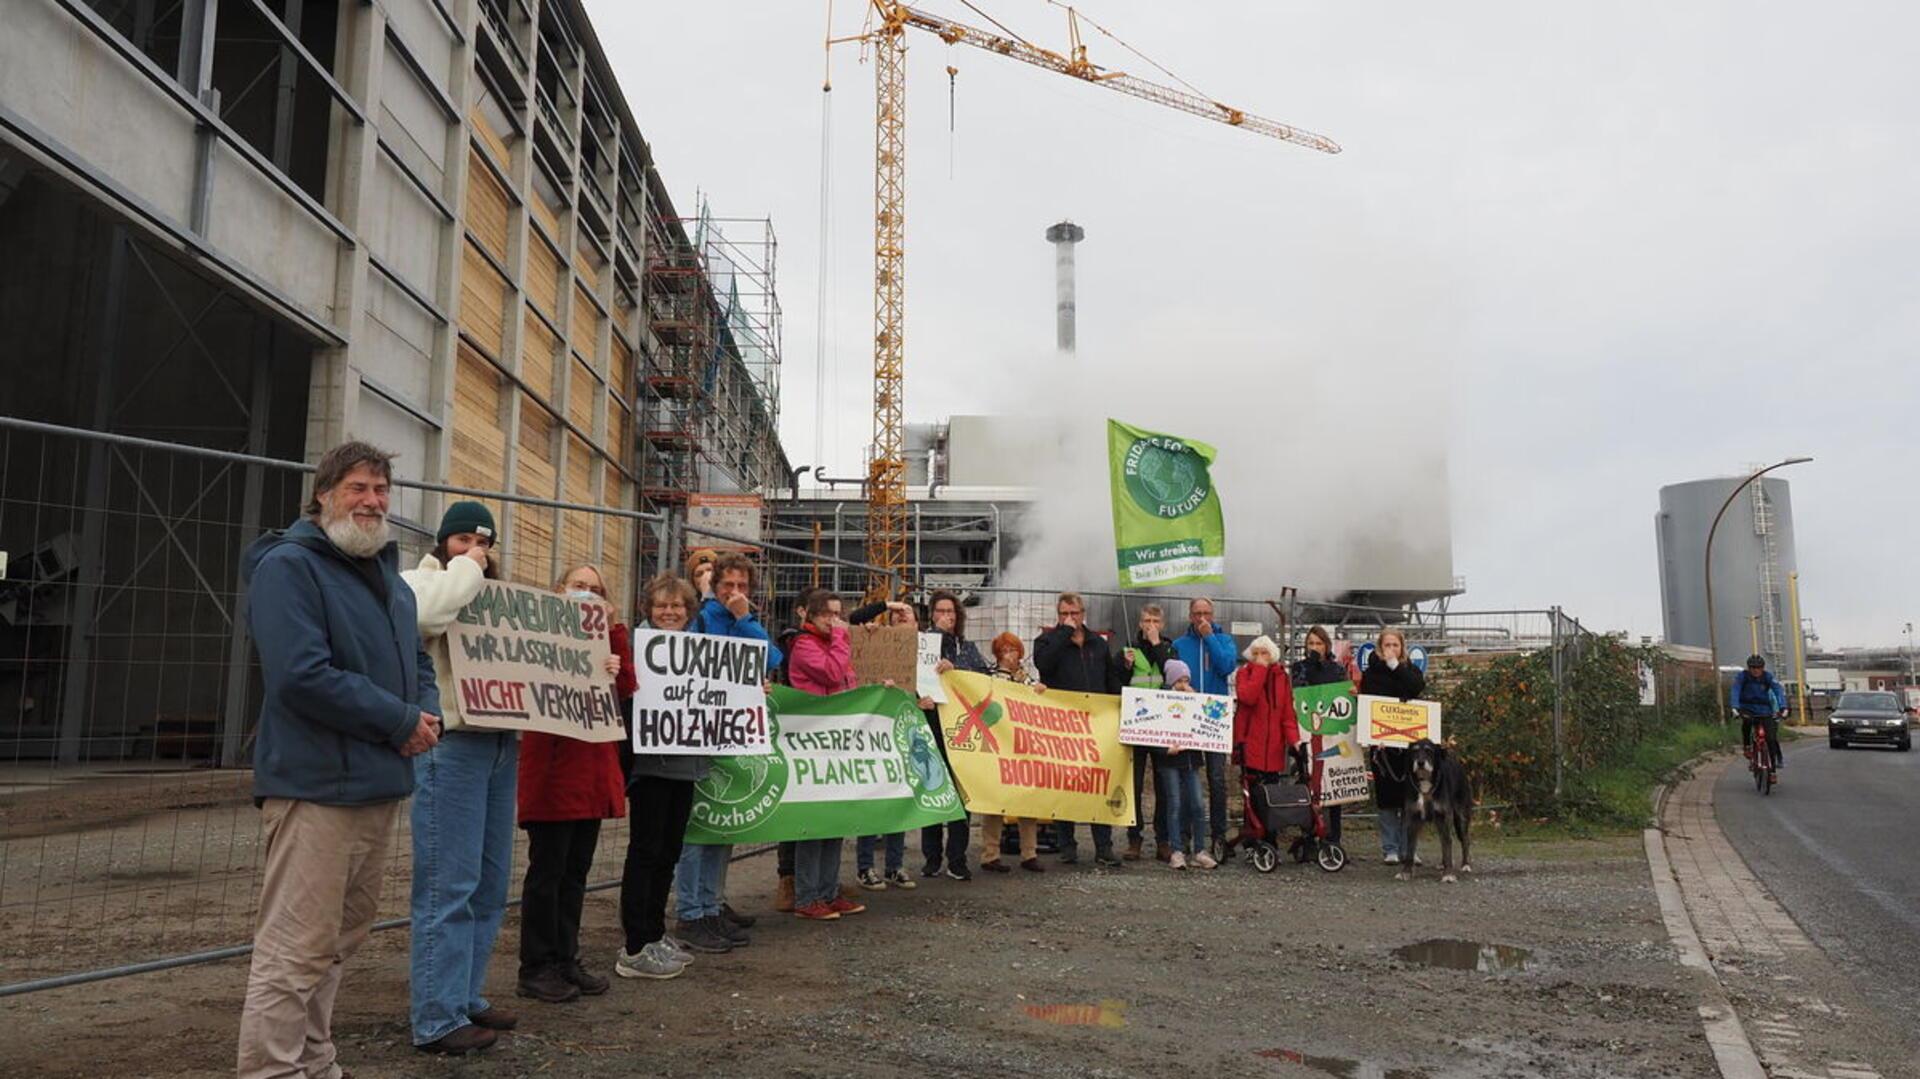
440, 593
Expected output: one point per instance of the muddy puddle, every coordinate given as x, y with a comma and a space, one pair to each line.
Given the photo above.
1345, 1067
1470, 955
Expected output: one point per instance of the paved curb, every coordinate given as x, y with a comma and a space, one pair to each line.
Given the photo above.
1733, 1051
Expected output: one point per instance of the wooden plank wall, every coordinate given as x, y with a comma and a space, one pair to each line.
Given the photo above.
508, 432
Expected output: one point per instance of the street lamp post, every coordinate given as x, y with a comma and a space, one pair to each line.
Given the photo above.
1713, 632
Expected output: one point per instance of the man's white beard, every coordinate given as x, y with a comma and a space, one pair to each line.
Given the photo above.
354, 540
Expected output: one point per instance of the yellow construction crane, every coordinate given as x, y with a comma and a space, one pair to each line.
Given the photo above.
885, 33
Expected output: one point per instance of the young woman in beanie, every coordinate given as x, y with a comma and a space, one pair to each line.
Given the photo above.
462, 813
567, 787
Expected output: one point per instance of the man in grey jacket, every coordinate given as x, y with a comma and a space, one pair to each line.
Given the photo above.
349, 696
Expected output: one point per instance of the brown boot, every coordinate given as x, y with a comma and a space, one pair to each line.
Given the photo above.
1162, 851
783, 896
468, 1039
1133, 850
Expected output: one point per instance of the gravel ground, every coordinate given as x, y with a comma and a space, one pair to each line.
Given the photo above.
1077, 972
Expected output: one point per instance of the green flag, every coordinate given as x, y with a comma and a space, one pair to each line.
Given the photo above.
858, 763
1166, 513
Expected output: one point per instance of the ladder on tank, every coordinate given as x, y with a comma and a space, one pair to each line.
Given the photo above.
1763, 531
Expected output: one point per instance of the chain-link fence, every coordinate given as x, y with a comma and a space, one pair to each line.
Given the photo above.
129, 689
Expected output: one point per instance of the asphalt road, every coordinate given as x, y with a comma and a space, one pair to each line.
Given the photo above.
1835, 844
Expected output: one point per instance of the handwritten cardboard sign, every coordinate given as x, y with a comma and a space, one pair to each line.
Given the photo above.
699, 694
886, 654
1165, 718
525, 659
1385, 721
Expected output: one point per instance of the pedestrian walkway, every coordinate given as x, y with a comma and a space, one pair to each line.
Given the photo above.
1804, 1018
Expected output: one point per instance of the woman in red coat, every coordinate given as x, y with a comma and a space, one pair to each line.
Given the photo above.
1265, 729
567, 787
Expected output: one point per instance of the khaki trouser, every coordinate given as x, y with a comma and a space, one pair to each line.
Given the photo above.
317, 902
990, 828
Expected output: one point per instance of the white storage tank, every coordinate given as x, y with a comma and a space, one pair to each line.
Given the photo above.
1753, 553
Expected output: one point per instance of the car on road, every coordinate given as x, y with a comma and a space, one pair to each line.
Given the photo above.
1869, 717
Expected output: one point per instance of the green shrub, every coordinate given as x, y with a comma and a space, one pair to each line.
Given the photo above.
1499, 717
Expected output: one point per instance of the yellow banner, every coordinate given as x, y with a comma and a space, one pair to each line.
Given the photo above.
1042, 756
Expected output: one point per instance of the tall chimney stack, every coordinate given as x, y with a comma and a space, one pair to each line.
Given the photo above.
1063, 236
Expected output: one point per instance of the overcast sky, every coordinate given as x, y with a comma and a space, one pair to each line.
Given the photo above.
1610, 246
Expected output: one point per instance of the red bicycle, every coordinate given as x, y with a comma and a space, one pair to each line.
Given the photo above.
1760, 760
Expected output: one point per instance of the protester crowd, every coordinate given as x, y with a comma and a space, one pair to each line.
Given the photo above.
356, 719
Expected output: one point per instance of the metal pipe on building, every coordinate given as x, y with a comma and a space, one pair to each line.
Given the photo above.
1063, 236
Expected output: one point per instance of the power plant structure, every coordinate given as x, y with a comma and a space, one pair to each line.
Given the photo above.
1753, 558
1063, 237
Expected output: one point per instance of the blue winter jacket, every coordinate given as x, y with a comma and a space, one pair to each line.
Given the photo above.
714, 618
1211, 659
345, 675
1762, 696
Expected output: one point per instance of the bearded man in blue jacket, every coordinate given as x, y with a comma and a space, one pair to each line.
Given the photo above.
349, 696
1209, 652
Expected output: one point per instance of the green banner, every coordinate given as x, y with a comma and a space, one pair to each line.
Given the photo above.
858, 763
1166, 513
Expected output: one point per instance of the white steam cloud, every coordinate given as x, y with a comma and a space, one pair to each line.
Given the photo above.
1332, 477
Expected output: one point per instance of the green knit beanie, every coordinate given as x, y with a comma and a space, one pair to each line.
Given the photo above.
467, 517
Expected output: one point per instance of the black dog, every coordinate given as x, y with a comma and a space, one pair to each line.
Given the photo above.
1438, 790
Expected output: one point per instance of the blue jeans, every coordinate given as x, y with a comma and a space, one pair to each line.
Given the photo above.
700, 880
463, 810
816, 871
1069, 844
1186, 813
896, 845
1393, 832
1217, 794
1143, 766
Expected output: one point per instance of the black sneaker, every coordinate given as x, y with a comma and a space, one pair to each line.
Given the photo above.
549, 985
959, 872
700, 936
1069, 855
733, 934
734, 917
930, 870
589, 983
1106, 859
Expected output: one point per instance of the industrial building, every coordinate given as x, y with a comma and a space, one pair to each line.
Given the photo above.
1753, 558
266, 228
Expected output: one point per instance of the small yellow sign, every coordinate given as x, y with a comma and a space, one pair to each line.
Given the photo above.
1385, 721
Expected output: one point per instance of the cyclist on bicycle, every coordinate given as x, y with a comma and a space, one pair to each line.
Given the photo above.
1758, 697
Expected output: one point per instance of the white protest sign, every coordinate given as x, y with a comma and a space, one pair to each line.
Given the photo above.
525, 659
1386, 721
699, 694
1343, 770
1649, 690
1165, 718
928, 677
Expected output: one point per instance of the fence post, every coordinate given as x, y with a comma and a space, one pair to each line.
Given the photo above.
1559, 704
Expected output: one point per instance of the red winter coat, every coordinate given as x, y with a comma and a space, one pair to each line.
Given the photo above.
563, 779
1264, 726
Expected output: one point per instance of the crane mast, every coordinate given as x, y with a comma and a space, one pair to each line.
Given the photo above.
886, 35
887, 471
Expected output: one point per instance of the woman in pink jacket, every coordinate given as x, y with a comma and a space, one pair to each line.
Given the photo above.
821, 663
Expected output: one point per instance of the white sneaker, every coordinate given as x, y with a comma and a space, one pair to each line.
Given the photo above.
676, 949
1178, 861
652, 962
1204, 860
872, 881
1391, 859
